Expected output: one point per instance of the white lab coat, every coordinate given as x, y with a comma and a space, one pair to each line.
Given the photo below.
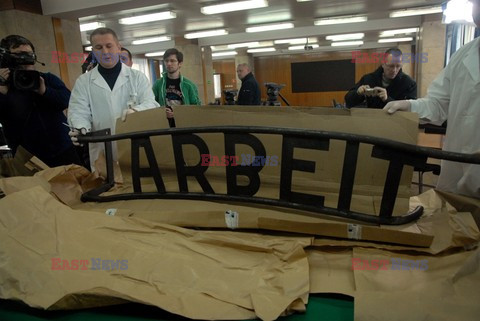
455, 95
94, 106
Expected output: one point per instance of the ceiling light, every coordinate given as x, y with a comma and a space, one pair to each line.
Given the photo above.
91, 26
234, 6
295, 41
269, 49
150, 40
459, 11
290, 41
219, 48
154, 54
304, 0
203, 34
203, 25
301, 47
89, 48
348, 36
270, 17
390, 33
224, 53
415, 12
276, 26
148, 18
245, 44
386, 40
150, 32
347, 43
340, 20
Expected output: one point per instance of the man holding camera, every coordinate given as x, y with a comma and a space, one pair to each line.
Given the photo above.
32, 105
387, 83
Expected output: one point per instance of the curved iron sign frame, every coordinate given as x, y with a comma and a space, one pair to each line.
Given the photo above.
396, 153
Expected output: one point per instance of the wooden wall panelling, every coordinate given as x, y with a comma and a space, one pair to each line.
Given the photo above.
277, 69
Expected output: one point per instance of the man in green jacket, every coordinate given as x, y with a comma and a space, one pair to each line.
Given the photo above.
173, 89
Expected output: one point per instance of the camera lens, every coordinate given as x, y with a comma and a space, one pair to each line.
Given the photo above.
26, 79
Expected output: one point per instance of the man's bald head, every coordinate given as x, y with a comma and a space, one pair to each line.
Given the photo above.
243, 70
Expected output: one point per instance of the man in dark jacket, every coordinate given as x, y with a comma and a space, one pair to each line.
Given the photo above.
387, 83
34, 118
250, 91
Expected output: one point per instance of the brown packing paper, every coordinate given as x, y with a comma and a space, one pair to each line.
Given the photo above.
447, 290
23, 164
203, 275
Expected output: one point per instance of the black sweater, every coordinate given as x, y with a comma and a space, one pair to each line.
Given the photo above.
401, 87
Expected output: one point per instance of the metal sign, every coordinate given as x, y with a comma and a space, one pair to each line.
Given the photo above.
397, 155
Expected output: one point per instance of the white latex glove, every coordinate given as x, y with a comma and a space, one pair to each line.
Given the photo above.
398, 105
126, 112
73, 133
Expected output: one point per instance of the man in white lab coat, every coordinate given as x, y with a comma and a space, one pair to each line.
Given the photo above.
109, 91
455, 95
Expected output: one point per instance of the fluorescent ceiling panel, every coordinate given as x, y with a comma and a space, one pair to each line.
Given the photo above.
415, 11
340, 20
91, 26
155, 54
234, 6
207, 33
148, 18
270, 27
347, 43
391, 33
269, 49
348, 36
150, 40
387, 40
224, 53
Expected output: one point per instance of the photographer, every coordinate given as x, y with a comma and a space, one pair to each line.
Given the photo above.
32, 105
387, 83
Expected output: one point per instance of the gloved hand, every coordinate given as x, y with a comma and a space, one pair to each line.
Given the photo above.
394, 106
126, 112
74, 132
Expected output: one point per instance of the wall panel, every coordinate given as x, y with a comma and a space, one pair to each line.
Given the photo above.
277, 69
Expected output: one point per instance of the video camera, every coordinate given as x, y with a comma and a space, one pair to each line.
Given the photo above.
230, 96
273, 90
19, 78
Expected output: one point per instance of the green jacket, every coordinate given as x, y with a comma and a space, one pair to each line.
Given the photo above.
188, 88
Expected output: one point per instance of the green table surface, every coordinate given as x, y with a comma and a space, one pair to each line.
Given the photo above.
320, 307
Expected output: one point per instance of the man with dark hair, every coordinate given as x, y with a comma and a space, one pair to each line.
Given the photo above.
109, 91
126, 57
249, 93
454, 96
387, 83
173, 89
34, 118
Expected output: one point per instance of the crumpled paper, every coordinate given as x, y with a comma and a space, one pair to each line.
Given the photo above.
197, 274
